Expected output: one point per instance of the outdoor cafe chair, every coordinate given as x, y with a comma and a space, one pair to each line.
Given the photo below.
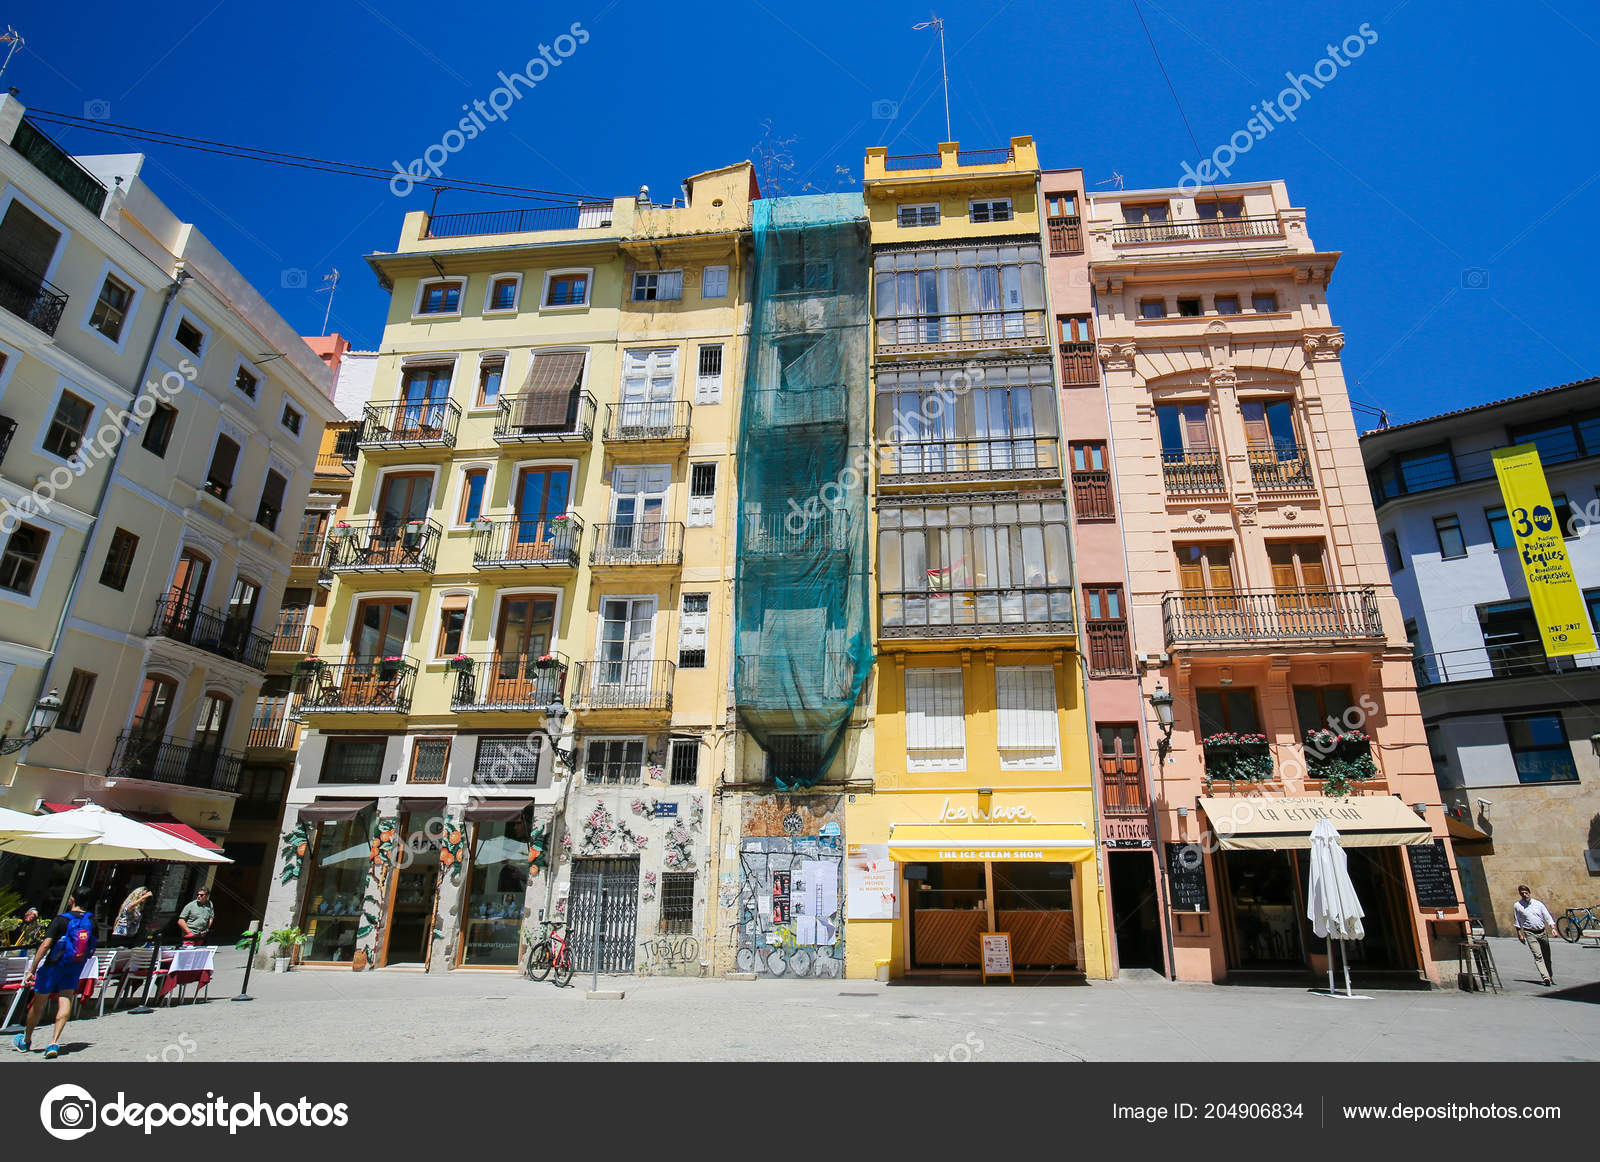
135, 971
13, 971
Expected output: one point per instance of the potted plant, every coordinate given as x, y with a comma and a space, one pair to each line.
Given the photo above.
544, 662
310, 666
561, 518
339, 531
413, 533
288, 942
389, 668
460, 664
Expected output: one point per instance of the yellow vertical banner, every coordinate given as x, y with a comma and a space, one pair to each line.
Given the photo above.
1540, 540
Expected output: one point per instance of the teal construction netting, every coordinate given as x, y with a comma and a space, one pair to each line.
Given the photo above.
804, 631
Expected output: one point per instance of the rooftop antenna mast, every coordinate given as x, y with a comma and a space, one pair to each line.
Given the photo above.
330, 284
944, 67
14, 39
1114, 179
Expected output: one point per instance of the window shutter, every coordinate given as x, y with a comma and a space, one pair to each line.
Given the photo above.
934, 712
708, 382
695, 623
714, 282
702, 495
670, 285
1026, 701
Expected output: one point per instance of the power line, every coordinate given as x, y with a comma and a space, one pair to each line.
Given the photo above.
296, 160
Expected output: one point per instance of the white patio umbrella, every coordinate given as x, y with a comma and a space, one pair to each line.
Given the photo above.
1331, 904
93, 834
19, 822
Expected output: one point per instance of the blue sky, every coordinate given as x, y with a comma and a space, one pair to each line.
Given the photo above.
1453, 163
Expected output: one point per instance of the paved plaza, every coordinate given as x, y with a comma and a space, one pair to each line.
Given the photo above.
312, 1015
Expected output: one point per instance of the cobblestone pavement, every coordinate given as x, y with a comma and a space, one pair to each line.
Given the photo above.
398, 1015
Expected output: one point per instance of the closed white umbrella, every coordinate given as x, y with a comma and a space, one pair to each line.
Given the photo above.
1331, 904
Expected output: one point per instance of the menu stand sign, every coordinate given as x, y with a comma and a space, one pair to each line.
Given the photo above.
995, 955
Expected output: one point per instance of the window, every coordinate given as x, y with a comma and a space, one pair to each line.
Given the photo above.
1075, 329
119, 559
111, 311
503, 293
509, 759
219, 477
804, 275
1324, 708
702, 495
1107, 630
1227, 304
75, 706
291, 419
1451, 542
919, 215
1219, 208
271, 506
677, 903
1027, 736
69, 426
792, 757
19, 562
1185, 431
1264, 302
1006, 422
1152, 308
246, 382
954, 293
1189, 308
1392, 554
684, 769
1062, 205
708, 378
693, 631
452, 625
1512, 639
936, 736
1563, 515
352, 760
491, 371
657, 285
189, 336
1143, 213
614, 760
1121, 771
1091, 482
440, 298
473, 482
1558, 439
428, 759
1227, 709
1499, 527
1297, 566
714, 282
1539, 748
567, 290
158, 432
990, 210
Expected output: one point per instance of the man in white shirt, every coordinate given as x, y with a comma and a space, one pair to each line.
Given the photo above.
1534, 925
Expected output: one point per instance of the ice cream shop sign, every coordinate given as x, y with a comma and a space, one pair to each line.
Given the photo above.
985, 812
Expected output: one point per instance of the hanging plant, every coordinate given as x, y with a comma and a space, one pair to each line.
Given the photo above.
460, 664
389, 667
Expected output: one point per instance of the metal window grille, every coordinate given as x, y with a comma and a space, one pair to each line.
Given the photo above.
677, 903
353, 760
614, 760
794, 756
685, 762
702, 480
692, 630
513, 759
428, 763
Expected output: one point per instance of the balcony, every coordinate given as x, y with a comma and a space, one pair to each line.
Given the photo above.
1271, 617
977, 612
59, 166
1091, 495
1193, 473
1110, 654
533, 419
1078, 364
8, 428
410, 423
1066, 234
899, 163
1498, 659
383, 546
296, 634
645, 684
1204, 230
162, 760
661, 421
582, 216
798, 408
1280, 468
27, 295
272, 727
527, 543
979, 329
789, 535
793, 682
372, 687
334, 464
1018, 457
208, 629
645, 543
507, 682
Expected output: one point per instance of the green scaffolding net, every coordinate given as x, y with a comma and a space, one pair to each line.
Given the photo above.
804, 631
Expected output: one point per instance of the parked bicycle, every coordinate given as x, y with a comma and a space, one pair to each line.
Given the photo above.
1576, 922
550, 953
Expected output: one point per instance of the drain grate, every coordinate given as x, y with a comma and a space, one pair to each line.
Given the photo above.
859, 994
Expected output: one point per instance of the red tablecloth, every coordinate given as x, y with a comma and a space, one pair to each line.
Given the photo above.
173, 979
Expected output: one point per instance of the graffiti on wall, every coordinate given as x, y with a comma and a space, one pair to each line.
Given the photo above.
669, 955
788, 913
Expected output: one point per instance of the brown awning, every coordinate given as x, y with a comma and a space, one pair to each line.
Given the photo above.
327, 810
547, 395
498, 811
1468, 840
423, 806
1259, 823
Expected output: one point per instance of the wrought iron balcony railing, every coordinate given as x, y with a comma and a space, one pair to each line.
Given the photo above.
1002, 457
1271, 616
522, 419
410, 423
977, 612
371, 686
645, 543
162, 760
532, 542
383, 546
271, 726
1279, 467
1498, 659
309, 551
987, 327
1066, 234
581, 216
1091, 495
27, 295
792, 680
795, 534
1193, 473
204, 628
650, 420
1078, 364
500, 681
1202, 230
334, 464
295, 634
8, 428
643, 684
799, 407
1109, 649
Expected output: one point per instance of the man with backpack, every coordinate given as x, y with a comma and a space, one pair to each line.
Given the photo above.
56, 967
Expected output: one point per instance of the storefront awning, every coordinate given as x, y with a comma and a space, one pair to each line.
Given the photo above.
977, 842
497, 811
1468, 840
1256, 823
329, 810
172, 826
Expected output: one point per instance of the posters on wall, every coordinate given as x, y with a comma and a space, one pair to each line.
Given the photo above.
815, 901
870, 883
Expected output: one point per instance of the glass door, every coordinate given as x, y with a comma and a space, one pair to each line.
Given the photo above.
1264, 905
336, 885
543, 494
412, 899
627, 637
240, 615
638, 507
648, 381
212, 728
524, 634
426, 389
185, 593
382, 629
496, 886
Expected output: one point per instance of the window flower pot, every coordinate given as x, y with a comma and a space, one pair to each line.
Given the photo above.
460, 664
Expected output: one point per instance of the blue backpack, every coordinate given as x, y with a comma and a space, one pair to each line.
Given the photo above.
79, 942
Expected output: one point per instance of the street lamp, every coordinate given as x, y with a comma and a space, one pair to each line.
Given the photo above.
1161, 702
40, 724
555, 714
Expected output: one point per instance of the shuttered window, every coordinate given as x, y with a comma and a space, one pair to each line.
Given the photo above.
708, 378
714, 282
935, 721
702, 495
693, 630
1025, 701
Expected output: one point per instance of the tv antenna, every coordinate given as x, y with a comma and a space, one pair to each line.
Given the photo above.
944, 68
14, 39
1115, 179
330, 283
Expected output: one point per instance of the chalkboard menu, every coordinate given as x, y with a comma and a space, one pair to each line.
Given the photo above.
1186, 873
1430, 870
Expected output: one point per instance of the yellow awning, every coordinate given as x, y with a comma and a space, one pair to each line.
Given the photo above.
1468, 840
1256, 823
977, 842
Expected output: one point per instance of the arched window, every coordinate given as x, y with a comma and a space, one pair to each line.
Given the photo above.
154, 708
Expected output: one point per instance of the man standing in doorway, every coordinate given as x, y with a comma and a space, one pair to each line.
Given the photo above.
1534, 925
195, 919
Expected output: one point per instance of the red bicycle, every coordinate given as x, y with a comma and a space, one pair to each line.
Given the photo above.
551, 954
